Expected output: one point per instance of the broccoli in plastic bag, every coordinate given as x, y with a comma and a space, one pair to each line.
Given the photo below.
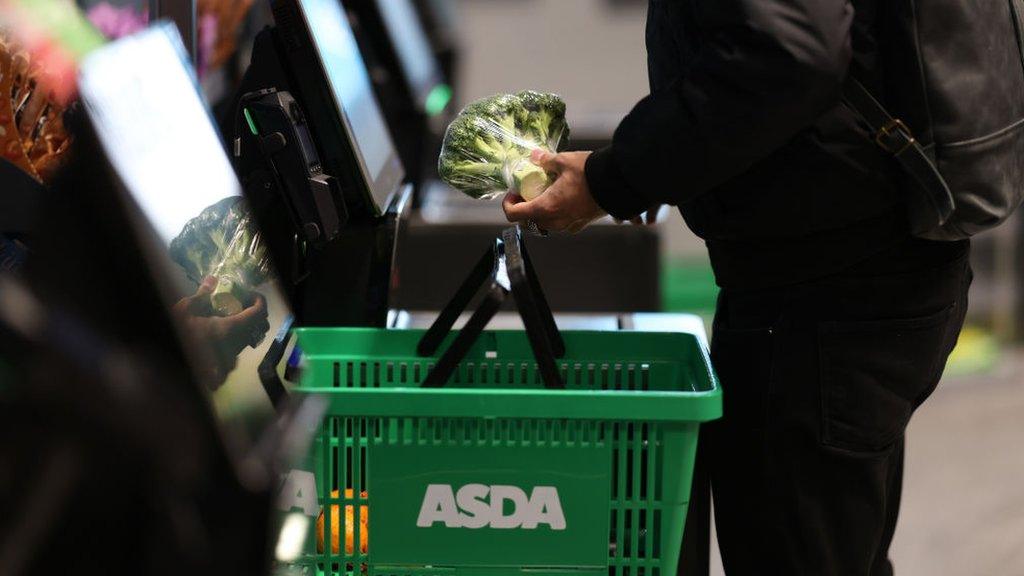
487, 147
222, 242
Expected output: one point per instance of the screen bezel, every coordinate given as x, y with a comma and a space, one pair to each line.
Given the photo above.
383, 188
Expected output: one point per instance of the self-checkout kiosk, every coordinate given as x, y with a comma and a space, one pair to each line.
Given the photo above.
314, 154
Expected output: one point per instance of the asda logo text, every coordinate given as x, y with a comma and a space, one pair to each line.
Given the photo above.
501, 507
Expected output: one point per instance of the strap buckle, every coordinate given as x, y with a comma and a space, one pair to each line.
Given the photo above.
886, 133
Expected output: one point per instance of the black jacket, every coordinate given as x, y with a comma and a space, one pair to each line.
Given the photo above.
743, 130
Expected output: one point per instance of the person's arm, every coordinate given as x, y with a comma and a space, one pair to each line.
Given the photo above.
767, 69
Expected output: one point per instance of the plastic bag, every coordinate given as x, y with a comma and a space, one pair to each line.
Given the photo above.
487, 147
222, 242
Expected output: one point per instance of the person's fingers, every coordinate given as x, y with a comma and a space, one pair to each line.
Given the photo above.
523, 211
199, 303
256, 322
637, 220
207, 286
511, 199
549, 161
257, 311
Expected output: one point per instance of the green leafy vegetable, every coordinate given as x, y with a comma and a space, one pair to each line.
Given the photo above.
222, 242
487, 147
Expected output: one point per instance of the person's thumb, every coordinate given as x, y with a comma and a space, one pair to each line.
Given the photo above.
206, 286
198, 302
546, 160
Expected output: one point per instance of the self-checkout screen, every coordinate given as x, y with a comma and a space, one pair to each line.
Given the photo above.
350, 84
144, 106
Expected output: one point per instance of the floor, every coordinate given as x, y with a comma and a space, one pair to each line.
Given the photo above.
963, 502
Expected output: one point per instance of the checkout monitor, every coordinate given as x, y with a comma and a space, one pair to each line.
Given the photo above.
148, 116
322, 52
415, 55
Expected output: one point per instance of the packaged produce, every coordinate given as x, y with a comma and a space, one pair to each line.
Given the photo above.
487, 147
222, 242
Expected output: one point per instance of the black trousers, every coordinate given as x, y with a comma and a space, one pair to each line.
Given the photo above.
820, 380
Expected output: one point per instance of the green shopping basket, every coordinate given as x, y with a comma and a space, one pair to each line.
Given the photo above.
513, 452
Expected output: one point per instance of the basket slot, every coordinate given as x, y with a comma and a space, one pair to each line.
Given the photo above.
636, 461
629, 536
635, 513
645, 473
626, 446
643, 543
347, 462
347, 465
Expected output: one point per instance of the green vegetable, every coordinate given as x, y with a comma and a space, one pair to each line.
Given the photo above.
222, 242
487, 147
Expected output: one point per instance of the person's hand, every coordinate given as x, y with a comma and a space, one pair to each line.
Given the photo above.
222, 338
566, 206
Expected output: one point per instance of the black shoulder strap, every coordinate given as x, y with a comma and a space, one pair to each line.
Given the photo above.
893, 136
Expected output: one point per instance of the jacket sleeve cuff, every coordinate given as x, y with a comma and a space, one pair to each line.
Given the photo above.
609, 188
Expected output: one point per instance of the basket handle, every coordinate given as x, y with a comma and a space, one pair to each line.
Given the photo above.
271, 382
505, 267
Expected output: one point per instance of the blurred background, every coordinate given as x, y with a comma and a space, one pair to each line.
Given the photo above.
963, 504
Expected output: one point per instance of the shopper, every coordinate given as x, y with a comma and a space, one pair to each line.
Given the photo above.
834, 322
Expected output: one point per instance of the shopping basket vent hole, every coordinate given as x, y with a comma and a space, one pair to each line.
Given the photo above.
578, 375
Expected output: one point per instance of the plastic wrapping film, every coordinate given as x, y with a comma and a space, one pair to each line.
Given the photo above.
223, 242
486, 150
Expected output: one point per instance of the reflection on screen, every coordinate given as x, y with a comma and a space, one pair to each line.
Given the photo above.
156, 131
410, 40
349, 82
